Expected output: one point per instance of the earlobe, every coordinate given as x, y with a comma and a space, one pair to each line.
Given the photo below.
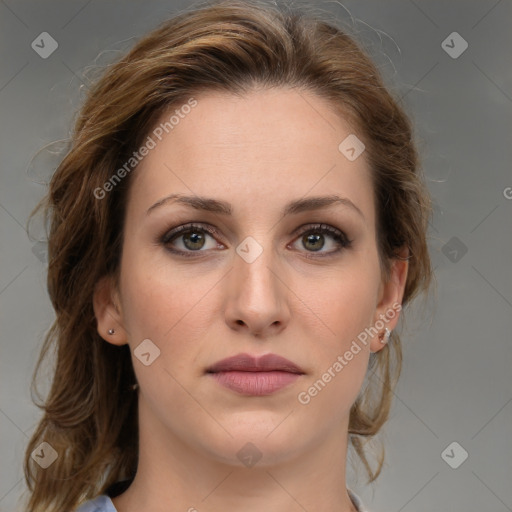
107, 312
390, 304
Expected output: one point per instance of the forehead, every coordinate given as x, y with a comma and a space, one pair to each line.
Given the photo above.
264, 148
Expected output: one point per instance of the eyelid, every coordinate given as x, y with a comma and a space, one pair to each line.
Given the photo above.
171, 233
321, 226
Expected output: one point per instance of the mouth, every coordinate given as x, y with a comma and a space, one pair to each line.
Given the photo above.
256, 376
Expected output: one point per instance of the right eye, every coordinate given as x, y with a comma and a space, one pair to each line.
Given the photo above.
192, 238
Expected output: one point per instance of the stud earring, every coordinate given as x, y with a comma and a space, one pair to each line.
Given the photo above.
384, 337
111, 331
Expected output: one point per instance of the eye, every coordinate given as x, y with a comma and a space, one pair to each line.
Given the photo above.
313, 238
191, 237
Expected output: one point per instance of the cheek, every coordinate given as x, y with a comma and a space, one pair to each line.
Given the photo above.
163, 302
341, 355
346, 301
346, 305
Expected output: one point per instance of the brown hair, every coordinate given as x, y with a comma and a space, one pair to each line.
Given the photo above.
90, 415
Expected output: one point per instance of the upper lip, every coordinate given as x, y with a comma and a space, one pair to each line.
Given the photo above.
248, 363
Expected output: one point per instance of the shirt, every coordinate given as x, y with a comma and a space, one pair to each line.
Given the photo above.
103, 503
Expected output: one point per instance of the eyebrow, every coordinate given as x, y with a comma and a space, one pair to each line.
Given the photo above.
224, 208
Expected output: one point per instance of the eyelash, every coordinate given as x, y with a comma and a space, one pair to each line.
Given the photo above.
339, 236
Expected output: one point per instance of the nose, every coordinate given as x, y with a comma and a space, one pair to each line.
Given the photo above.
257, 298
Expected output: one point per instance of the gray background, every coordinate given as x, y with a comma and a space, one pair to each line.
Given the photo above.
456, 383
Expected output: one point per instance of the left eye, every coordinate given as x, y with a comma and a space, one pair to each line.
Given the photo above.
313, 238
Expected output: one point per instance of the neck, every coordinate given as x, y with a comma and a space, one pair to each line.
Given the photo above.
172, 475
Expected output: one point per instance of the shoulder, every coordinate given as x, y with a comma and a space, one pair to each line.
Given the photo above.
104, 504
356, 500
100, 504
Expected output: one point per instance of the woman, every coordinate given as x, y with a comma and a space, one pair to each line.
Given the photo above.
233, 235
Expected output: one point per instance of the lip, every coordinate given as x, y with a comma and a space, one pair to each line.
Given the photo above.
256, 376
248, 363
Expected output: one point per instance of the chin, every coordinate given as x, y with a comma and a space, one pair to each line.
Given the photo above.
255, 442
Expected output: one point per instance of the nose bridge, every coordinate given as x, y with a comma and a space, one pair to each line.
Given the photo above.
257, 297
255, 265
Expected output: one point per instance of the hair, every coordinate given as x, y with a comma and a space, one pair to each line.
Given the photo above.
90, 414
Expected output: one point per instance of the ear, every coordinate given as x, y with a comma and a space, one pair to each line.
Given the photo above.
107, 312
389, 304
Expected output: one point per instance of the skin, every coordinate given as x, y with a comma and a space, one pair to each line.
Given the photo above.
257, 152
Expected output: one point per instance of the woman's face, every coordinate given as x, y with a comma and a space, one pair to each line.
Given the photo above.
255, 276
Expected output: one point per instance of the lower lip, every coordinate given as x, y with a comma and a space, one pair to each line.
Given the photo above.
255, 383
